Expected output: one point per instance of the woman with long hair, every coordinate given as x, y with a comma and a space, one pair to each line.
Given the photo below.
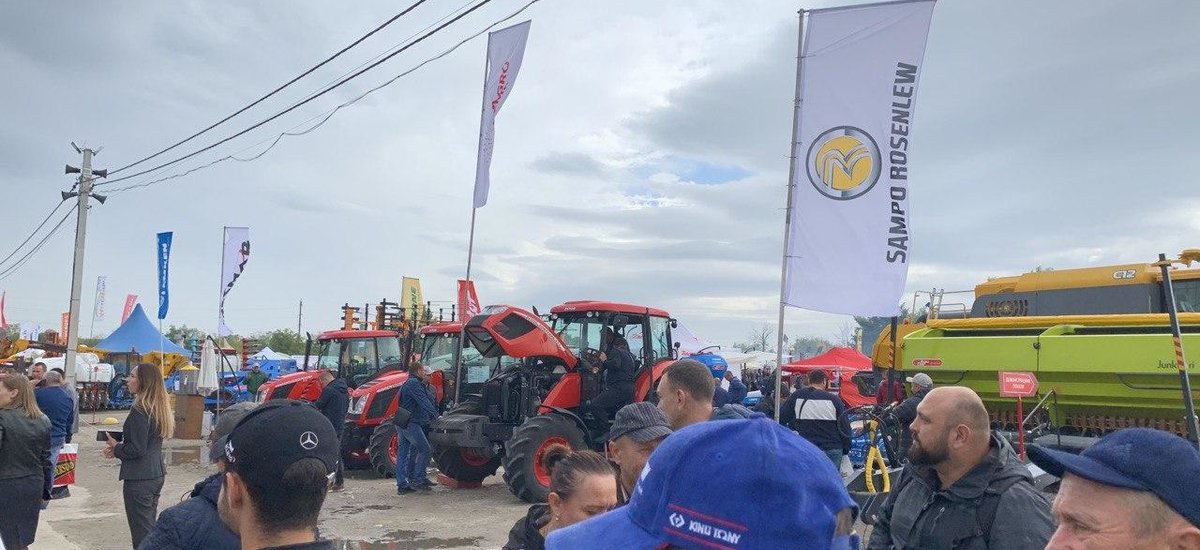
583, 484
140, 448
24, 461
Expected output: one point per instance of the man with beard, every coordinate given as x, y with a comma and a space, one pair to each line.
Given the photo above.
963, 487
280, 460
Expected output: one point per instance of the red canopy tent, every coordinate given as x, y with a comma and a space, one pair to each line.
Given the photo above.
840, 366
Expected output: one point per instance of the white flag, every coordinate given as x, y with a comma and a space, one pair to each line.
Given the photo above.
98, 307
506, 47
233, 262
850, 241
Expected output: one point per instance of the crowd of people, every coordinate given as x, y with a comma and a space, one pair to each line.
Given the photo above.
687, 472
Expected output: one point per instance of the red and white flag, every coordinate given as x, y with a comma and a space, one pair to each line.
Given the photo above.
130, 301
506, 48
468, 301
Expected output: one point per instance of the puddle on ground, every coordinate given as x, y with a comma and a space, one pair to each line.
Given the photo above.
179, 456
405, 540
357, 509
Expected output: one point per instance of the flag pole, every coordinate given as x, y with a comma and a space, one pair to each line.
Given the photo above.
482, 106
471, 239
470, 244
787, 219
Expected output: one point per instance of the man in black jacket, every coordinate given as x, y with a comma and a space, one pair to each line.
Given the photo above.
334, 402
963, 488
620, 371
194, 523
906, 411
819, 417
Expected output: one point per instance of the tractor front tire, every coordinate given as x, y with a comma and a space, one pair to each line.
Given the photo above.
382, 449
462, 463
523, 471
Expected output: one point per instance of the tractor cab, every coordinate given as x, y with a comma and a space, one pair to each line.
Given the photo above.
358, 355
585, 326
440, 347
355, 355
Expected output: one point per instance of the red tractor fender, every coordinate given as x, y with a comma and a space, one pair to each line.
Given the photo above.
564, 394
645, 380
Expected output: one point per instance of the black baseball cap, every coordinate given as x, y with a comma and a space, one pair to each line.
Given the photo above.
275, 435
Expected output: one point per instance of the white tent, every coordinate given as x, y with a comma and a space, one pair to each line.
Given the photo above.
209, 364
268, 354
689, 343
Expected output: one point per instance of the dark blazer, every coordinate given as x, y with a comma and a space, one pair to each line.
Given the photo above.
140, 449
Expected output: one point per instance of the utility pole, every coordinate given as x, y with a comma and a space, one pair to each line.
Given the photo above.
86, 177
300, 318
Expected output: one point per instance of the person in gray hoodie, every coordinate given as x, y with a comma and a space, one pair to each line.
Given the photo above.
685, 396
963, 488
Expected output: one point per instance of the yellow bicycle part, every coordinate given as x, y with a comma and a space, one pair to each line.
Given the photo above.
874, 457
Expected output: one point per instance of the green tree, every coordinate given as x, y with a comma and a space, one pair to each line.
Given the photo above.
809, 346
872, 327
185, 335
283, 340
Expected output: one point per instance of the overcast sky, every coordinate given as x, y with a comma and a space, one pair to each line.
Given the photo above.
641, 156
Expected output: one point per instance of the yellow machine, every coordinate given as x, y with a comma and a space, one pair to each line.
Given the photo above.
1098, 339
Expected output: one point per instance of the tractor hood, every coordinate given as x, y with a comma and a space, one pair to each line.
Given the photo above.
512, 331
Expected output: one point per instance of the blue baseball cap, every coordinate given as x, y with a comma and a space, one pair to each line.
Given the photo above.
724, 485
1141, 459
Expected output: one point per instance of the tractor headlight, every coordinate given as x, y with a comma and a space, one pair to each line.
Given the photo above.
357, 406
262, 396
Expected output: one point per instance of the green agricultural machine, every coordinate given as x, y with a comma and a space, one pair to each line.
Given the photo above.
1098, 339
1096, 373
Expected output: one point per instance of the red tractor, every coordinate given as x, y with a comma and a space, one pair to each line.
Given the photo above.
535, 400
372, 362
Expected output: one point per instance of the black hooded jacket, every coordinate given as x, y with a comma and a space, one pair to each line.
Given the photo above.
334, 402
525, 534
993, 507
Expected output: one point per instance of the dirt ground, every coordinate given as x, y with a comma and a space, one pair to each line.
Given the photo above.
368, 515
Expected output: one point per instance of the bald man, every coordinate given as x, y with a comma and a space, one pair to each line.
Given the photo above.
963, 487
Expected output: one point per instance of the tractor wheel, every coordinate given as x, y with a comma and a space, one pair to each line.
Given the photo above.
465, 463
383, 449
523, 471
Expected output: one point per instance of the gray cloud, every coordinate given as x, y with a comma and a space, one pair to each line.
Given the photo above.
570, 164
1056, 138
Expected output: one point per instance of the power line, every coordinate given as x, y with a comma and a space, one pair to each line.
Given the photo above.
35, 231
308, 99
28, 255
280, 88
323, 116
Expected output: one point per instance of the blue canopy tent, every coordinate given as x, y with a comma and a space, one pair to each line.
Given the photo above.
138, 334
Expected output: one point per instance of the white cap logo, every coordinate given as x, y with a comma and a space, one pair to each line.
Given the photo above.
676, 521
308, 441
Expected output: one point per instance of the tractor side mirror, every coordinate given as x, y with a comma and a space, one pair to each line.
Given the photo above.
674, 323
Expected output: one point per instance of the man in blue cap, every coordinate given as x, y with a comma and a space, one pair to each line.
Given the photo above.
778, 491
1134, 488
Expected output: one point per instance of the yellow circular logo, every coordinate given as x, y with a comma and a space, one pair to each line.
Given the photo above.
843, 163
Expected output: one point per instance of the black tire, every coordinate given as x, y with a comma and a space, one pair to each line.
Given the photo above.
524, 476
462, 463
383, 450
